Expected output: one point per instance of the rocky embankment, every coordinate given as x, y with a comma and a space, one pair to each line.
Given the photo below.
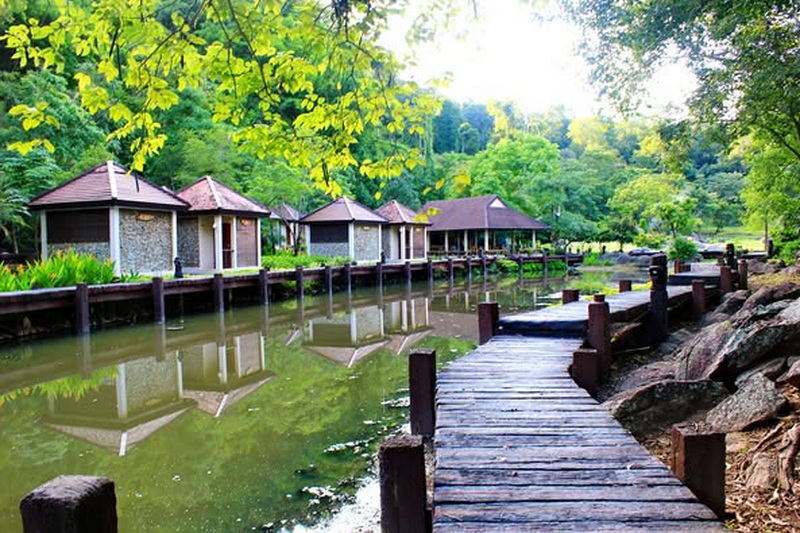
737, 373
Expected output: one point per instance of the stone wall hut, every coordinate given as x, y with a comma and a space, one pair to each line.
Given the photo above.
287, 221
467, 225
113, 214
403, 237
346, 228
221, 229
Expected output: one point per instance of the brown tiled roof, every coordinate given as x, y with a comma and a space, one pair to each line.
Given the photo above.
477, 213
208, 196
286, 213
397, 213
343, 210
108, 184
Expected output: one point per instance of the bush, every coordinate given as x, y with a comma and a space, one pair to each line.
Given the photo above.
593, 259
682, 248
60, 270
649, 240
289, 261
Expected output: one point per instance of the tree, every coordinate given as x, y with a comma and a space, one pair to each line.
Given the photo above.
656, 202
299, 80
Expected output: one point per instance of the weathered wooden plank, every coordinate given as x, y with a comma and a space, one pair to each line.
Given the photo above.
581, 527
637, 477
549, 493
533, 512
459, 440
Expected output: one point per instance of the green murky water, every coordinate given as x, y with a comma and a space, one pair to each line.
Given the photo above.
235, 421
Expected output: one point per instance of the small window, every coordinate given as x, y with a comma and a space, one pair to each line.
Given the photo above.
78, 226
329, 233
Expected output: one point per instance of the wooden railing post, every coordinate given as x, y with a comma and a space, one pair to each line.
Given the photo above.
730, 256
659, 300
698, 460
585, 369
159, 313
407, 270
328, 280
71, 504
743, 274
219, 293
488, 314
483, 265
422, 391
429, 269
725, 279
570, 295
450, 269
625, 285
677, 266
300, 282
348, 277
401, 464
263, 286
469, 268
698, 298
598, 334
82, 322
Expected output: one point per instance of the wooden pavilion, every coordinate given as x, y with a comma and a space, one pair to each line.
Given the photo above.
468, 225
346, 228
404, 237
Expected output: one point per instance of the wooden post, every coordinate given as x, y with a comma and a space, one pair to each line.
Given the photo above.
407, 269
379, 275
698, 460
82, 322
598, 333
263, 286
730, 256
71, 504
725, 279
677, 266
300, 282
544, 265
521, 263
422, 391
585, 369
625, 285
430, 269
401, 462
570, 295
743, 274
469, 268
328, 280
659, 300
483, 266
348, 277
159, 313
219, 293
450, 269
488, 313
698, 298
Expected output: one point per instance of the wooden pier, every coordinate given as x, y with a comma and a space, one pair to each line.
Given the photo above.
520, 447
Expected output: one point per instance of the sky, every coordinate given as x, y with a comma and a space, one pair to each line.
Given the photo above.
507, 54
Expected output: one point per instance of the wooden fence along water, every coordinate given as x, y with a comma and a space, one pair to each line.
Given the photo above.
222, 290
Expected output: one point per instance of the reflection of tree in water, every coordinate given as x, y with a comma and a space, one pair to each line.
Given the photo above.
74, 387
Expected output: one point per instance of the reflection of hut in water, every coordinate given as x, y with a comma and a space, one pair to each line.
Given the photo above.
347, 338
217, 377
144, 396
407, 322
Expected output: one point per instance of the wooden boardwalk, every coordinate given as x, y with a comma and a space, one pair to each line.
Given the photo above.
520, 447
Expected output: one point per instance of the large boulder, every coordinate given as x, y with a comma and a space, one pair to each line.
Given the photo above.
661, 404
731, 302
771, 369
757, 400
767, 295
792, 376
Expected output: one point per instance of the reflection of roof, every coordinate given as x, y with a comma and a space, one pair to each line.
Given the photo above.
343, 210
120, 440
108, 184
480, 212
207, 195
397, 213
347, 355
286, 213
215, 402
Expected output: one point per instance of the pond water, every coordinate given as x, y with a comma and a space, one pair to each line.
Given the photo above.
257, 418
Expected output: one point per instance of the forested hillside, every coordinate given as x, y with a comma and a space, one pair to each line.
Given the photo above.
295, 102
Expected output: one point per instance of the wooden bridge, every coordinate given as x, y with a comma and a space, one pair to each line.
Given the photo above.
520, 447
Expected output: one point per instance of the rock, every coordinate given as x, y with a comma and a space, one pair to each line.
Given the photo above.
737, 442
744, 316
732, 302
664, 403
771, 268
792, 376
647, 374
700, 357
767, 295
757, 400
761, 474
771, 369
674, 341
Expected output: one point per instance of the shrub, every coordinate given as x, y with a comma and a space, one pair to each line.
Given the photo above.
681, 248
593, 259
649, 240
289, 261
63, 269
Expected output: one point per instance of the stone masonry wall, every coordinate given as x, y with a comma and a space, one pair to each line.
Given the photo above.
189, 242
145, 240
366, 242
329, 249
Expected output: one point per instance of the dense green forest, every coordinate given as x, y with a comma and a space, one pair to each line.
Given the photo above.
295, 102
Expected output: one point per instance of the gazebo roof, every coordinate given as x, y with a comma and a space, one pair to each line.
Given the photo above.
286, 213
480, 212
343, 210
105, 185
208, 196
397, 213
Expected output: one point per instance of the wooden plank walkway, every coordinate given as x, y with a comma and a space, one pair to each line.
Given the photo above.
520, 447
